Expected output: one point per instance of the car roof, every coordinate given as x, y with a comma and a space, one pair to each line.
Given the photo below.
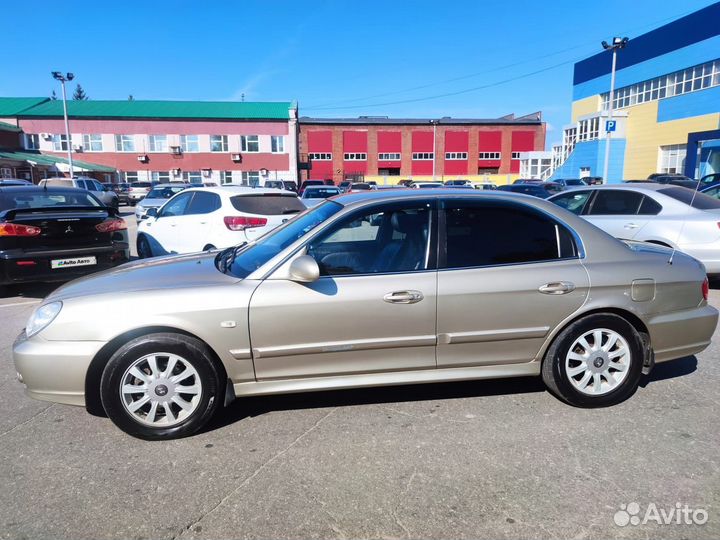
171, 184
49, 189
322, 187
359, 197
231, 190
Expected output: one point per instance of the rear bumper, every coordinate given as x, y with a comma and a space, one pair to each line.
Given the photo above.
12, 272
54, 370
682, 333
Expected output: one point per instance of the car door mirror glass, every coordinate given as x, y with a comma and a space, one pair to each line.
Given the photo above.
152, 212
304, 269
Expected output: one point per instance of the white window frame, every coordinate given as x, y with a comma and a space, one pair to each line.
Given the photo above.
226, 177
277, 144
250, 178
60, 143
222, 140
671, 158
515, 155
355, 156
131, 176
189, 176
190, 143
389, 156
32, 141
155, 177
456, 156
158, 143
488, 156
250, 144
320, 156
92, 142
125, 143
423, 156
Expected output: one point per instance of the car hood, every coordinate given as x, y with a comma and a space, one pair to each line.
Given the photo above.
152, 203
171, 272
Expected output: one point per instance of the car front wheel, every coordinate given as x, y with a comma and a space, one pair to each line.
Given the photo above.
595, 362
161, 386
143, 247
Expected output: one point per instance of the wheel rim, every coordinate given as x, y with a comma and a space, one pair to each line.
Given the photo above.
160, 390
598, 362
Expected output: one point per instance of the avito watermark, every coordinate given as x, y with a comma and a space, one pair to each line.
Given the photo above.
680, 514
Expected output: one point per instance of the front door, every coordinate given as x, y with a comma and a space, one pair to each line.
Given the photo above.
372, 310
162, 231
508, 275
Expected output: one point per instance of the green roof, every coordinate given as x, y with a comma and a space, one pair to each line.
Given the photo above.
49, 160
225, 110
12, 106
4, 126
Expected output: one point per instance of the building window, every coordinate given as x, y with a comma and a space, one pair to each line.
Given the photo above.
124, 143
59, 143
218, 143
189, 143
192, 177
320, 156
489, 155
160, 177
392, 156
249, 143
32, 141
92, 143
355, 156
455, 155
226, 177
130, 176
277, 144
423, 156
251, 178
588, 129
515, 155
672, 158
158, 143
674, 84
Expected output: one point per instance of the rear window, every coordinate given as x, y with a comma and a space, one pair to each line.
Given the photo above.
164, 192
685, 195
141, 184
320, 193
267, 204
45, 199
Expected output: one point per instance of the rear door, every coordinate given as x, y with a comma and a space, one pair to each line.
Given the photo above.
508, 275
195, 225
618, 212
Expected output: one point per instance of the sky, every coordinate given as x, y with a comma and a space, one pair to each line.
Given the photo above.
401, 58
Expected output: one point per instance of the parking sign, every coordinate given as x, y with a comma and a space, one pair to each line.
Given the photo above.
610, 125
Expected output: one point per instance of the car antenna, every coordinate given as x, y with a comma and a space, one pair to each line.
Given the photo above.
682, 226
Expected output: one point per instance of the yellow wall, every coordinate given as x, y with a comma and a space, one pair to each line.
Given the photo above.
585, 106
497, 179
645, 135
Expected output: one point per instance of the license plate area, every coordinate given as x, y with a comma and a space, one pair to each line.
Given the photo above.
73, 262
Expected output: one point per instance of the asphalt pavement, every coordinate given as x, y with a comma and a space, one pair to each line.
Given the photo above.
492, 459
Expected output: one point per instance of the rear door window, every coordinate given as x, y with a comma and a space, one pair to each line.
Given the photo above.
609, 202
267, 204
203, 203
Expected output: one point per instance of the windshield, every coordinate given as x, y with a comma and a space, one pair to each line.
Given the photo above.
685, 195
164, 192
255, 255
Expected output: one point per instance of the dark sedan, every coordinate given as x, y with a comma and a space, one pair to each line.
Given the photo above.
55, 234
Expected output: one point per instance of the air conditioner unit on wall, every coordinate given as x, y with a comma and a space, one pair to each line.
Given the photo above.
46, 136
78, 147
175, 150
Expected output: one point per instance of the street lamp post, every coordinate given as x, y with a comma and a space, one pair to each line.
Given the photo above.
617, 43
434, 124
63, 78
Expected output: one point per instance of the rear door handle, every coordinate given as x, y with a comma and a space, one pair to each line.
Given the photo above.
631, 225
403, 297
557, 287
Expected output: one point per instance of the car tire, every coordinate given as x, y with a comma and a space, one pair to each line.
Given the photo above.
144, 250
582, 374
174, 404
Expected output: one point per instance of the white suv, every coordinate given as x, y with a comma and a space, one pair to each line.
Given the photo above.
199, 219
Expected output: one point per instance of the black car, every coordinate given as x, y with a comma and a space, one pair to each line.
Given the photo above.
57, 233
674, 180
307, 183
121, 190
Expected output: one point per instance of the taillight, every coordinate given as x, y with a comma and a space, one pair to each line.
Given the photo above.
706, 289
240, 223
15, 229
111, 225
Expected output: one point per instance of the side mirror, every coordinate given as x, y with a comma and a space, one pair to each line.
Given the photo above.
152, 212
304, 269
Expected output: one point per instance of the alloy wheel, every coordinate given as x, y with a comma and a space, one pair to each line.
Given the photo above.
598, 362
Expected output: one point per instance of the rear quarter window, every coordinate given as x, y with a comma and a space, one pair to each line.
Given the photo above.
268, 204
685, 195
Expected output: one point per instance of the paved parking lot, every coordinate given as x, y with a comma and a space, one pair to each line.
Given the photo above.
494, 459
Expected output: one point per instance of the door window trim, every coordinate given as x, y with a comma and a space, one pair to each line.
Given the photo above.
442, 235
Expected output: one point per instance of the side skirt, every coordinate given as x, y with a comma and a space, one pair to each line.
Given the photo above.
340, 382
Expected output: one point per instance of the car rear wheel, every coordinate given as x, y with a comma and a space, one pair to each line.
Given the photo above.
595, 362
143, 247
161, 386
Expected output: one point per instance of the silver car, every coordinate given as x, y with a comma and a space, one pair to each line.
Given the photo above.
657, 213
370, 289
156, 197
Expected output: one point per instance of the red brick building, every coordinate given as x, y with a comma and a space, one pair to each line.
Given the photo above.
370, 147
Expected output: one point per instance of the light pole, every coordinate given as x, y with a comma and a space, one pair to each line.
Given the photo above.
434, 124
617, 43
58, 76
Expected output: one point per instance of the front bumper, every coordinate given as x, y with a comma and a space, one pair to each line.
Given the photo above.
54, 370
682, 333
107, 256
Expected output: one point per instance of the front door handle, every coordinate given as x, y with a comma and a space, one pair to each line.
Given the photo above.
403, 297
631, 225
557, 287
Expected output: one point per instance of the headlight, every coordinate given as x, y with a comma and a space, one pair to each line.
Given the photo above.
42, 317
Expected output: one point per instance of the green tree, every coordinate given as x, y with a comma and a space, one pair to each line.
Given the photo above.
79, 94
